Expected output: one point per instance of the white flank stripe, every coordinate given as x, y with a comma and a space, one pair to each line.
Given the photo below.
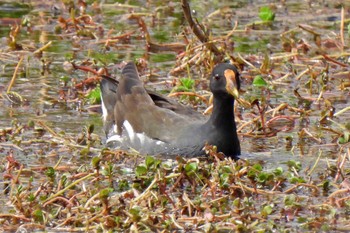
104, 110
137, 141
114, 138
129, 131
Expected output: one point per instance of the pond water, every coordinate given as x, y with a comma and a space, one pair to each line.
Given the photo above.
40, 85
50, 97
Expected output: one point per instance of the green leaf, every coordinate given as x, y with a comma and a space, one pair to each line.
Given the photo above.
326, 185
266, 14
237, 203
38, 215
50, 172
263, 177
85, 151
107, 170
254, 171
96, 162
224, 178
149, 161
258, 167
31, 197
123, 185
141, 170
135, 212
296, 180
289, 200
90, 128
345, 138
19, 189
259, 81
267, 210
226, 169
301, 219
104, 193
295, 164
278, 171
191, 168
94, 96
187, 83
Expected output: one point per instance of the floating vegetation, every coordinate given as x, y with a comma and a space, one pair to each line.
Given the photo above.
293, 117
120, 191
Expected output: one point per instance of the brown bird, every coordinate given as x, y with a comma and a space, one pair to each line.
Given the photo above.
155, 124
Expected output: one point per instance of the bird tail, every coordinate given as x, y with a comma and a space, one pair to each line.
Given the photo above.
108, 88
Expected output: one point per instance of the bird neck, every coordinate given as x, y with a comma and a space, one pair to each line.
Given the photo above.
222, 115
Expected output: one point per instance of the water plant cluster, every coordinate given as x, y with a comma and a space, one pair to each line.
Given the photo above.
119, 190
294, 108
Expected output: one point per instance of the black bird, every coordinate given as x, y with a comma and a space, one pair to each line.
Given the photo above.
154, 124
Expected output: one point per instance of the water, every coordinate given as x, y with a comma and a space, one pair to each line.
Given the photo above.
61, 112
39, 78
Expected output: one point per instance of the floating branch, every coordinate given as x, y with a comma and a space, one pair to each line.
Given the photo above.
202, 36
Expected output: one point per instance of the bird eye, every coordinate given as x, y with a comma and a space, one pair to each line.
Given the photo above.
216, 76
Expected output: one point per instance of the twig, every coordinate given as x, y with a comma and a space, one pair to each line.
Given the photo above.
308, 29
185, 64
315, 164
339, 191
14, 74
68, 187
320, 95
341, 200
304, 130
155, 180
274, 57
302, 73
11, 145
91, 199
199, 32
58, 162
20, 217
342, 27
232, 31
340, 168
189, 94
254, 190
342, 111
15, 181
334, 61
68, 202
314, 187
248, 63
208, 110
43, 48
142, 25
175, 223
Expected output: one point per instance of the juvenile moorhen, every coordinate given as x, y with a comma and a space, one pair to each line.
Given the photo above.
154, 124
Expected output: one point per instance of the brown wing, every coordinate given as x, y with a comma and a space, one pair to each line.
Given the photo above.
109, 87
147, 112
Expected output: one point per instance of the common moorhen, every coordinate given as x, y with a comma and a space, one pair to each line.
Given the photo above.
154, 124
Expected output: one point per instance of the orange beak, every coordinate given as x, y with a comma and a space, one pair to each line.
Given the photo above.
231, 83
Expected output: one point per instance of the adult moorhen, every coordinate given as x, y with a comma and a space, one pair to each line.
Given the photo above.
154, 124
